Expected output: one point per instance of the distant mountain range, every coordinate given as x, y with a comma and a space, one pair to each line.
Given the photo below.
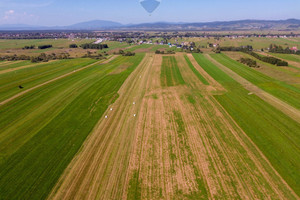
241, 25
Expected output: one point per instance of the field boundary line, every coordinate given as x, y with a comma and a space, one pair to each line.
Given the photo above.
287, 109
55, 79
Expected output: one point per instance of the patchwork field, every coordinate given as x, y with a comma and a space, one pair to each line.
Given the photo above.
149, 126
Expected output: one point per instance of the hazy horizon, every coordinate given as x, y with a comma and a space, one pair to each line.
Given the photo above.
63, 13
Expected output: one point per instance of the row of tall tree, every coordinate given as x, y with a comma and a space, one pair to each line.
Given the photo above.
34, 59
231, 48
268, 59
124, 53
279, 49
29, 47
163, 52
46, 46
94, 46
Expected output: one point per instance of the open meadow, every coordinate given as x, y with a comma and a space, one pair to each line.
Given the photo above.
149, 126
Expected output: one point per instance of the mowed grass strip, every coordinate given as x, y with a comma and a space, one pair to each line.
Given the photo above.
34, 168
196, 72
170, 73
291, 57
23, 117
35, 75
275, 134
279, 89
13, 64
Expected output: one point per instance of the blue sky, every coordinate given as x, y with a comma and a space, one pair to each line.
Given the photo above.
66, 12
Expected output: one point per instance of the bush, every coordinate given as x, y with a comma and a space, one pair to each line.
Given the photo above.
45, 46
73, 46
250, 62
29, 47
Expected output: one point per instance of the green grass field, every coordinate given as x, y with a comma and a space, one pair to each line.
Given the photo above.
170, 73
276, 135
137, 47
59, 43
112, 45
281, 90
32, 76
291, 57
196, 72
34, 155
171, 135
13, 65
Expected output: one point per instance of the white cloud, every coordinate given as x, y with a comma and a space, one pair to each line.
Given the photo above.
10, 12
13, 17
25, 3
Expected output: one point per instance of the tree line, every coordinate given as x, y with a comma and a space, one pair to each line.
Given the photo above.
231, 48
35, 59
94, 46
29, 47
268, 59
249, 50
163, 52
279, 49
46, 46
123, 53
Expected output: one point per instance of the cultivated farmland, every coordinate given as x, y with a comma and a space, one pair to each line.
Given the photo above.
149, 126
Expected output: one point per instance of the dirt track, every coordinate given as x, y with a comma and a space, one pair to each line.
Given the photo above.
52, 80
172, 148
277, 103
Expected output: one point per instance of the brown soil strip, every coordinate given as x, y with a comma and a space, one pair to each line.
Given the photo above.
55, 79
277, 103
